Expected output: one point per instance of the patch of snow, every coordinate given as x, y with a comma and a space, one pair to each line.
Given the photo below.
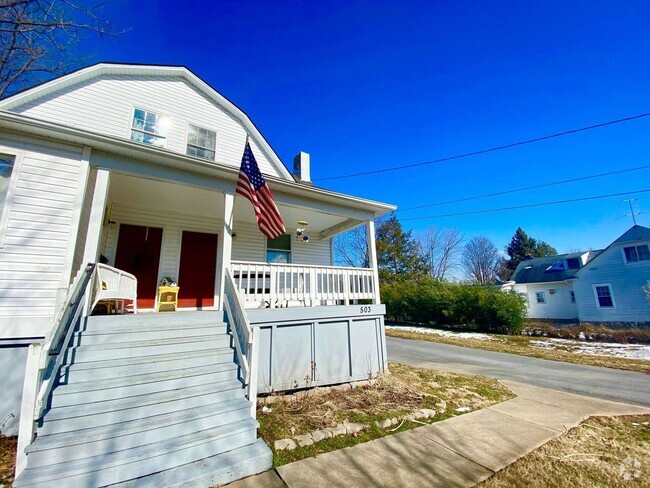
444, 333
611, 349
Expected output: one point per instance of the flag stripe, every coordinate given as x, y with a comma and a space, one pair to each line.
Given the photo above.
252, 185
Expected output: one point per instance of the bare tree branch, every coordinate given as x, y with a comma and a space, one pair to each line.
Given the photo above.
481, 260
38, 37
441, 248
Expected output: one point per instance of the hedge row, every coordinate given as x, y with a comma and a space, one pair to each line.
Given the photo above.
431, 302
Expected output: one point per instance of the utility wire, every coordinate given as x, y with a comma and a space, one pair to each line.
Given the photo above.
484, 151
543, 204
543, 185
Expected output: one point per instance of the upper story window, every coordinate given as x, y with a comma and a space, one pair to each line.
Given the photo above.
637, 253
149, 128
278, 250
201, 143
573, 263
604, 296
6, 168
541, 297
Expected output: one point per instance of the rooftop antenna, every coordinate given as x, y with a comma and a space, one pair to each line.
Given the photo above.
632, 213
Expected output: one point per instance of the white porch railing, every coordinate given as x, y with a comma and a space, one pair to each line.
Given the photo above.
282, 285
243, 337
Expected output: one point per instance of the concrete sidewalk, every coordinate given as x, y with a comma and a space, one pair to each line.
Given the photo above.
460, 451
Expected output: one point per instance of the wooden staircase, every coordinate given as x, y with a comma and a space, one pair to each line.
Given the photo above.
147, 400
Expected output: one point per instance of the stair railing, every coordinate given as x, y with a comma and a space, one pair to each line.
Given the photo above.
89, 286
244, 338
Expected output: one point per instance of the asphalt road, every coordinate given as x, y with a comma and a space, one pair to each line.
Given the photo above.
607, 383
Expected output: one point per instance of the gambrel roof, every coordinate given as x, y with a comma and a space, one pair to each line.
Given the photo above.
85, 75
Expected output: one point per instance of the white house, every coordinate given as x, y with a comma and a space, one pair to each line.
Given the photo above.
135, 166
604, 286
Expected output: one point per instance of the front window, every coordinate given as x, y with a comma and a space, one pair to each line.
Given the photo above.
149, 128
604, 296
637, 253
541, 297
201, 143
6, 167
572, 296
278, 250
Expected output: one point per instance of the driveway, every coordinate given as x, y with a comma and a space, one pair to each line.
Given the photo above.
611, 384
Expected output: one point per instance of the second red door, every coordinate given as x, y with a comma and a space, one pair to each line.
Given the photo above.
197, 270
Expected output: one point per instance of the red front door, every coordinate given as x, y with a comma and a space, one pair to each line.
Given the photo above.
197, 270
138, 252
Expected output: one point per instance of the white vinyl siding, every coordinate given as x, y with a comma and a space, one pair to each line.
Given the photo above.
39, 224
556, 305
108, 103
626, 281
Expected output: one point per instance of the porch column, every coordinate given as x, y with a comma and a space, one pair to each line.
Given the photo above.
372, 255
96, 219
224, 251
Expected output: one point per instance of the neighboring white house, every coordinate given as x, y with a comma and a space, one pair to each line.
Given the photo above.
136, 166
605, 286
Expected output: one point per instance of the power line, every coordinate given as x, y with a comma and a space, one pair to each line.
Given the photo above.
534, 187
543, 204
484, 151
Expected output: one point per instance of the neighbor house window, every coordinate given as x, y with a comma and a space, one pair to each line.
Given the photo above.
149, 128
572, 296
6, 167
541, 297
637, 253
604, 296
573, 263
278, 250
201, 143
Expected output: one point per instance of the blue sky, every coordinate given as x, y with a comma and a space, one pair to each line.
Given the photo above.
364, 85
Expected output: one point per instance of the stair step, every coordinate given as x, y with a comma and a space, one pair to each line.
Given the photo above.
124, 350
99, 322
130, 464
91, 337
217, 470
227, 370
76, 417
220, 354
71, 446
72, 373
66, 394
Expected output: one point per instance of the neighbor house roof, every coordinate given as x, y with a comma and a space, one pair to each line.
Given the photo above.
548, 269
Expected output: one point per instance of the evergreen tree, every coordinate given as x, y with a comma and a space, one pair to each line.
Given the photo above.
523, 247
398, 254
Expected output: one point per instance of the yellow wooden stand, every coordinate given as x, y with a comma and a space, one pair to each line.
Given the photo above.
167, 298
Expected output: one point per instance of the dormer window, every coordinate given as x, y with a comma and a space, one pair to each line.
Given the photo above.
573, 263
201, 143
149, 128
637, 253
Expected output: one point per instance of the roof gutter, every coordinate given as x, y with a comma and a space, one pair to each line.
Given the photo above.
23, 124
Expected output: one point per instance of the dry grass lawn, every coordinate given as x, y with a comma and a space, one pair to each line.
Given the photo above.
600, 452
521, 345
405, 390
7, 460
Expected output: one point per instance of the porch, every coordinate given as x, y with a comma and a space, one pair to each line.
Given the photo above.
156, 228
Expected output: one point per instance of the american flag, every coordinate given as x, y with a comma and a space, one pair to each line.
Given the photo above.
252, 185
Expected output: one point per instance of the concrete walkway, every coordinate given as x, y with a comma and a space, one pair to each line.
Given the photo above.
460, 451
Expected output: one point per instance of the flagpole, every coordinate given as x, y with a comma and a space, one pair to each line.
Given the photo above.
234, 201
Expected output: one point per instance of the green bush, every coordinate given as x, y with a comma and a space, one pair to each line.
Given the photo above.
430, 302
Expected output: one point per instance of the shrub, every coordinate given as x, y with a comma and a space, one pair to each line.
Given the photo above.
430, 302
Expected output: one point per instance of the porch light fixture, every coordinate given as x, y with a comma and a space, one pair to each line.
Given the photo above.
301, 231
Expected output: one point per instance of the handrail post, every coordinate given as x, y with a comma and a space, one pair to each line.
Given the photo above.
254, 355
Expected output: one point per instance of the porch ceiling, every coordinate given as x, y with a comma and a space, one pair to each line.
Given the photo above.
143, 193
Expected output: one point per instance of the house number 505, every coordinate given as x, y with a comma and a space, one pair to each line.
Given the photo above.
366, 309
